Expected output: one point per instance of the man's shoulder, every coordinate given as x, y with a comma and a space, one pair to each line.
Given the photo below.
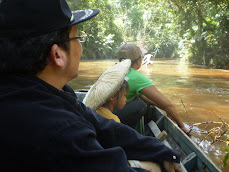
39, 104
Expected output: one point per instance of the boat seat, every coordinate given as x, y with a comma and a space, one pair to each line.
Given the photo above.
162, 135
156, 131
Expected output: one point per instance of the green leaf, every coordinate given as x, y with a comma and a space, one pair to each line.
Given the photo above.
225, 159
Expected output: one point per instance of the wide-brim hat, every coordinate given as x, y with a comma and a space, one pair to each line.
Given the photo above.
107, 85
28, 18
129, 51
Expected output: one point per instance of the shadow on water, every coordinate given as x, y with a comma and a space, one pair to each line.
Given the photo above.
198, 93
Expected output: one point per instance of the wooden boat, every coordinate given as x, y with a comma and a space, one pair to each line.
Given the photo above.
193, 159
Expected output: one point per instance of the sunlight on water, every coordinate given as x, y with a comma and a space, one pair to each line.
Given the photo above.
198, 93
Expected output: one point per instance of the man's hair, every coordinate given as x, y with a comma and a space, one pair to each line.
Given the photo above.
29, 55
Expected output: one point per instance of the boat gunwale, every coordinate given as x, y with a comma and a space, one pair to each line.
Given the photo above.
186, 143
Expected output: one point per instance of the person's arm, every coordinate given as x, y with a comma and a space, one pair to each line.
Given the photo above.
152, 94
136, 146
145, 99
76, 148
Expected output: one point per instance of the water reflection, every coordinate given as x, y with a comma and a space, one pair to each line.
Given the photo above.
199, 94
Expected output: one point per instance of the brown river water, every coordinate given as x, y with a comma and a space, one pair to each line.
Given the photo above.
198, 93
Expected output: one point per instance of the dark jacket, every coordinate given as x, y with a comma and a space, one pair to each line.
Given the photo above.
44, 129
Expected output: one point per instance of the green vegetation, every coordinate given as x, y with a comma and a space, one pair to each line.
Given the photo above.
196, 30
226, 157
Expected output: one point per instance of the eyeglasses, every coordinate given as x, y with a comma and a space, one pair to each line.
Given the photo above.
81, 38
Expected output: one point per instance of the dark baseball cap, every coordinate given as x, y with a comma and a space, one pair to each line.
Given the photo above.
28, 18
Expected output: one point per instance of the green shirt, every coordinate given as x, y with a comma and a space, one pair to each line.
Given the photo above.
136, 82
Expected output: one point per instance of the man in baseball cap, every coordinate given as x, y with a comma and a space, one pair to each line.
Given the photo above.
43, 127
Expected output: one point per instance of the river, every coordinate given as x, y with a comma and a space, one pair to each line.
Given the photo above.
199, 94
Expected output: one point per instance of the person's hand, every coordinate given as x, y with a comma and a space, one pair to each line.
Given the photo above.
185, 130
172, 166
150, 166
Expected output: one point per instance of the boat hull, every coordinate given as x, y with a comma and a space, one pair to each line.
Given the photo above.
193, 159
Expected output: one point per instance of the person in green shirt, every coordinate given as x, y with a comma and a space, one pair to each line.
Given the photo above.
142, 91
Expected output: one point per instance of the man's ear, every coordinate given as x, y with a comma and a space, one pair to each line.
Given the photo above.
57, 56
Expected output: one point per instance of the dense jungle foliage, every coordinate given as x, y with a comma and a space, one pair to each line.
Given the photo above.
195, 30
